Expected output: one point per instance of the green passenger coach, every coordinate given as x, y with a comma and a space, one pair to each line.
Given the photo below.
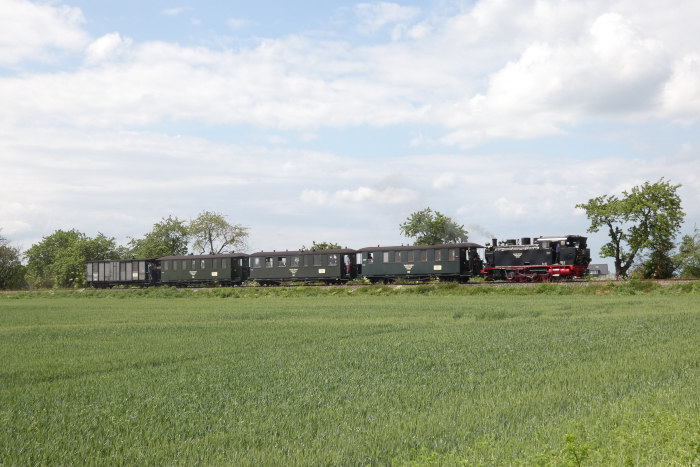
329, 266
223, 269
454, 261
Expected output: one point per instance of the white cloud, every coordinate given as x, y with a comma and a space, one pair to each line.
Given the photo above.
445, 180
390, 195
613, 70
510, 207
31, 31
681, 96
107, 47
470, 75
374, 16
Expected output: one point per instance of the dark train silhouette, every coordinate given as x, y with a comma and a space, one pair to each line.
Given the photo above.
527, 260
543, 258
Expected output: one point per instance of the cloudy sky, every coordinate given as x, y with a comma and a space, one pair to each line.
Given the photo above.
335, 120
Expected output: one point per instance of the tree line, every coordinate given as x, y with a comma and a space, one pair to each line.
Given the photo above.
641, 224
58, 260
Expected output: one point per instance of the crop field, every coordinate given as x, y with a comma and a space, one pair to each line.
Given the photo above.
351, 379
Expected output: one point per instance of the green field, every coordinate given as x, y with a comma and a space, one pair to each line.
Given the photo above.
351, 379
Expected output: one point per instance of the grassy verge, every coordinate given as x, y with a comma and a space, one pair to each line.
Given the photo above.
631, 287
438, 377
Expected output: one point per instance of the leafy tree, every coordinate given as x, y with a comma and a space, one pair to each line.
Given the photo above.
433, 228
687, 260
659, 263
649, 215
213, 234
11, 269
168, 237
59, 259
322, 246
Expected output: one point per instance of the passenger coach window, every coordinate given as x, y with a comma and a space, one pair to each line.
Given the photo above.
397, 257
385, 257
307, 260
256, 262
452, 254
268, 262
215, 263
317, 260
411, 256
424, 256
203, 264
438, 255
282, 262
332, 260
174, 265
295, 261
166, 265
194, 264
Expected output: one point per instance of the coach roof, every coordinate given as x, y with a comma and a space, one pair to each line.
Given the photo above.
340, 251
421, 247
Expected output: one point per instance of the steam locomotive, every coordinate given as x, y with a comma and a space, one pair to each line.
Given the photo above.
539, 259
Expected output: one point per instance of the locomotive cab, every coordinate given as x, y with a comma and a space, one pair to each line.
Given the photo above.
566, 250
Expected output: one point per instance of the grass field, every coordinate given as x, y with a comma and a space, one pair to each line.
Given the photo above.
351, 379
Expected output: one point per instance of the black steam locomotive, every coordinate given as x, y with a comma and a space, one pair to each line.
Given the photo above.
544, 259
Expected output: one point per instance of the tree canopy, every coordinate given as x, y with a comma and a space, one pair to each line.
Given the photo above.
59, 259
648, 217
11, 269
687, 260
322, 246
212, 234
433, 228
659, 263
168, 237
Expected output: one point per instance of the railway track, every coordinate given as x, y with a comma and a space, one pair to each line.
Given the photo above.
572, 283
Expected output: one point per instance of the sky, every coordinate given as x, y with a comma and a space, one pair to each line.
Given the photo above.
333, 121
